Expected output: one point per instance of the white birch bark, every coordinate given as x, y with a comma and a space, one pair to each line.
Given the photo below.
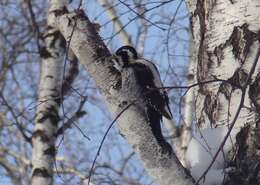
49, 99
226, 36
133, 124
224, 33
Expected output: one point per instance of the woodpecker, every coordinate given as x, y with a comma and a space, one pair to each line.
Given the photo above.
148, 78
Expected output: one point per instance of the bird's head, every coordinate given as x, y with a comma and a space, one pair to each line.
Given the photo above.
124, 56
127, 54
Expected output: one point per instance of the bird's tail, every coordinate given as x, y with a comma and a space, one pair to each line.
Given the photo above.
166, 112
155, 119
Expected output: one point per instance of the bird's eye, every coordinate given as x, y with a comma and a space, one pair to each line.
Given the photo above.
124, 56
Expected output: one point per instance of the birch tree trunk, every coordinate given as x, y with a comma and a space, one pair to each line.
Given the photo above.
49, 100
226, 35
133, 124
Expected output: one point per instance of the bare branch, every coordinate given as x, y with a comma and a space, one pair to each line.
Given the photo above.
126, 40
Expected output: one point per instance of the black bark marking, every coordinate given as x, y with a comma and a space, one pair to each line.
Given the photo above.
241, 40
51, 113
239, 79
254, 93
53, 109
200, 12
211, 107
49, 32
41, 172
123, 104
55, 96
50, 151
70, 76
100, 52
226, 89
257, 132
60, 12
210, 63
57, 37
218, 52
121, 134
245, 163
80, 14
44, 53
191, 24
49, 76
241, 141
42, 135
53, 119
201, 118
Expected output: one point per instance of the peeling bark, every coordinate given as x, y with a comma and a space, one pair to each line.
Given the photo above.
226, 51
227, 36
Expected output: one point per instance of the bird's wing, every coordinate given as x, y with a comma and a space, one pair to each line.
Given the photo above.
166, 111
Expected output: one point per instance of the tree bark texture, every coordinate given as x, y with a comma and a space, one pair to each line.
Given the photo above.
226, 36
133, 124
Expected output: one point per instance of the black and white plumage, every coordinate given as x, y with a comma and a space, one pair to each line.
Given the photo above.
148, 78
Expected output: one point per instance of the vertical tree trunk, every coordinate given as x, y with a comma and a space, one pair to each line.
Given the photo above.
49, 100
226, 36
226, 48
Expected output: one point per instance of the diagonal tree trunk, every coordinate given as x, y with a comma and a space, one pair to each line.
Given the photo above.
133, 124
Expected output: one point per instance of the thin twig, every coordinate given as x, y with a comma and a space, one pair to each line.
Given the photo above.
72, 120
104, 137
141, 15
19, 126
35, 26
